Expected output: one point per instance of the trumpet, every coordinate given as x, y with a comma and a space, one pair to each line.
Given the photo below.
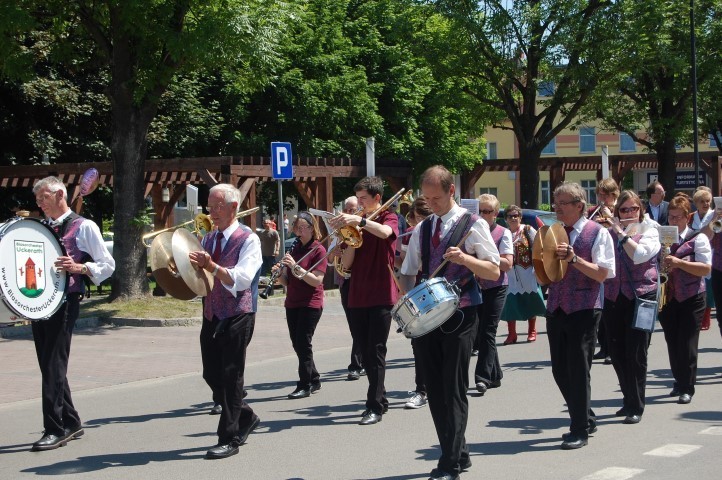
716, 225
202, 224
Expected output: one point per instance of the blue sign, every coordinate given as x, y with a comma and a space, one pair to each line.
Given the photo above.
281, 163
683, 181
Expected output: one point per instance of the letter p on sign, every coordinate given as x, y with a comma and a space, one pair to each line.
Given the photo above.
281, 161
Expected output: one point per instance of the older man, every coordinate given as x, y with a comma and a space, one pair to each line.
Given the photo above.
88, 257
233, 255
574, 308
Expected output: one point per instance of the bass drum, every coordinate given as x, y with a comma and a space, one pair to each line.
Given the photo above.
30, 286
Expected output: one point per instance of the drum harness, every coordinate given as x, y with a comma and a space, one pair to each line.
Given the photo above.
464, 284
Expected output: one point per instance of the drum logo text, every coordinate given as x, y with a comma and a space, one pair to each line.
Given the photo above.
30, 273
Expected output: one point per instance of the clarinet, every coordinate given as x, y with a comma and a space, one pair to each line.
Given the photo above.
276, 273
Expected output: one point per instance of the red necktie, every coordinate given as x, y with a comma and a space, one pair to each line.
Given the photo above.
216, 255
436, 239
568, 230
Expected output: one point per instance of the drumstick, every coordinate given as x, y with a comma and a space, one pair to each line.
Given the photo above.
446, 259
396, 281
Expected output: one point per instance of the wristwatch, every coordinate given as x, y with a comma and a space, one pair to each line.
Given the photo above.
84, 269
215, 270
362, 223
574, 259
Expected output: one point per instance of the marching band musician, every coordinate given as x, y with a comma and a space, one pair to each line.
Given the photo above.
86, 256
372, 292
574, 307
304, 299
637, 249
233, 255
681, 318
444, 353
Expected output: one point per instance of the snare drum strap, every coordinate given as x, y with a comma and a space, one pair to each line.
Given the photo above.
460, 229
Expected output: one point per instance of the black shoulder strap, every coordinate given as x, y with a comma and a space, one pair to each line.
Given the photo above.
425, 246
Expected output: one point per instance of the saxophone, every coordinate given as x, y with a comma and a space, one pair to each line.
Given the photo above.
663, 277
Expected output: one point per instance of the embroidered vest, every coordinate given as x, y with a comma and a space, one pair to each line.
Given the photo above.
643, 276
683, 284
221, 303
470, 294
577, 291
716, 244
497, 234
68, 233
522, 247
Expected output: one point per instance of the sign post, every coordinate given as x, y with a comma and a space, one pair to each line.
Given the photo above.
282, 169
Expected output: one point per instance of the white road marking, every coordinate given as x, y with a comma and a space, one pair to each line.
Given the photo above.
674, 450
614, 473
712, 431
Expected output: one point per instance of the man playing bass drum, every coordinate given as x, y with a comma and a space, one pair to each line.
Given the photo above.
445, 352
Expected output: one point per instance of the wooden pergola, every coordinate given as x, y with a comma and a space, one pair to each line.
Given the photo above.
313, 177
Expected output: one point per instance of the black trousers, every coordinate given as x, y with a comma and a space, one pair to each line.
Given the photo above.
628, 348
52, 339
681, 322
717, 294
302, 324
444, 360
571, 347
268, 262
356, 352
488, 369
223, 351
370, 328
418, 374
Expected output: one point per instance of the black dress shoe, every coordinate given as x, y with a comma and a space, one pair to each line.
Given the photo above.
685, 398
495, 384
601, 354
353, 375
481, 388
437, 474
370, 417
73, 433
632, 419
217, 409
315, 388
674, 392
572, 442
299, 393
465, 464
622, 412
245, 432
222, 451
607, 360
49, 442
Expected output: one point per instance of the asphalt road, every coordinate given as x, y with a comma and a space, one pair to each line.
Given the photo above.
144, 407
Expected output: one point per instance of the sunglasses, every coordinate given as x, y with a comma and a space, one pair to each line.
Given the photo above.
486, 212
628, 209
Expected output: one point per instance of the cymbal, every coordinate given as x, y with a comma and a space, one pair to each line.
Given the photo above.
554, 267
197, 279
164, 268
536, 256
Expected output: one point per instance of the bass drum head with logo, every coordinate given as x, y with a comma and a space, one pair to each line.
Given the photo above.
30, 285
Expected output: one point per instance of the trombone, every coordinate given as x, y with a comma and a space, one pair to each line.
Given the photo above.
202, 224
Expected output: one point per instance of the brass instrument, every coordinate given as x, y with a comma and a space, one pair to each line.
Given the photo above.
603, 212
716, 226
202, 224
668, 235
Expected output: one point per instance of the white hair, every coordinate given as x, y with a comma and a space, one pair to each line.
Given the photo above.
230, 193
350, 200
53, 184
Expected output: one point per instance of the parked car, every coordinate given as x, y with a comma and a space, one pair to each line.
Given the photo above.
535, 218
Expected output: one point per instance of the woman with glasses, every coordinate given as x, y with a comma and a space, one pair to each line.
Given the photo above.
636, 267
488, 372
304, 299
700, 221
681, 317
524, 298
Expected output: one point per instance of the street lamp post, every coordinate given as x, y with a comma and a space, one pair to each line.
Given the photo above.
694, 93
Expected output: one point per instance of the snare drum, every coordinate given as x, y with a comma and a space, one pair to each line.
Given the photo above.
426, 306
30, 285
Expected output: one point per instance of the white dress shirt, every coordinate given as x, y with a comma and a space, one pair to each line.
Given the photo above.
90, 241
602, 249
648, 245
479, 242
249, 259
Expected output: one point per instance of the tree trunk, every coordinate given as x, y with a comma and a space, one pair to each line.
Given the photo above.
529, 177
129, 147
667, 165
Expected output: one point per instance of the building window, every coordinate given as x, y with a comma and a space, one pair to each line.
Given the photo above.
590, 188
545, 88
626, 143
491, 151
545, 194
489, 190
713, 141
587, 140
551, 148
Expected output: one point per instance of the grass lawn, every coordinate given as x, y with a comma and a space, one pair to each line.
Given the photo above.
150, 307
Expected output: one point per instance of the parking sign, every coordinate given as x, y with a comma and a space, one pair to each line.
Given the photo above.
281, 163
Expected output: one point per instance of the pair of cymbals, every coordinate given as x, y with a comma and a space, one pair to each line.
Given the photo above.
547, 267
172, 268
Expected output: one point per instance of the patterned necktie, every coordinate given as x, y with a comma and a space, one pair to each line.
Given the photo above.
216, 255
436, 239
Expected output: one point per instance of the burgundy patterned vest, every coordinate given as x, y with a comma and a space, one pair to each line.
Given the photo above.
221, 303
69, 232
497, 234
577, 291
683, 284
716, 244
643, 276
470, 295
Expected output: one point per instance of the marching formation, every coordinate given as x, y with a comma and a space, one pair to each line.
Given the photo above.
610, 271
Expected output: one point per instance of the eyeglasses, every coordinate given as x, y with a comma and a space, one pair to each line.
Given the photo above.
675, 217
513, 217
564, 204
42, 198
216, 207
628, 209
486, 212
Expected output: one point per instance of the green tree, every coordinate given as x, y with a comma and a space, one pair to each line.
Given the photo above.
143, 44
